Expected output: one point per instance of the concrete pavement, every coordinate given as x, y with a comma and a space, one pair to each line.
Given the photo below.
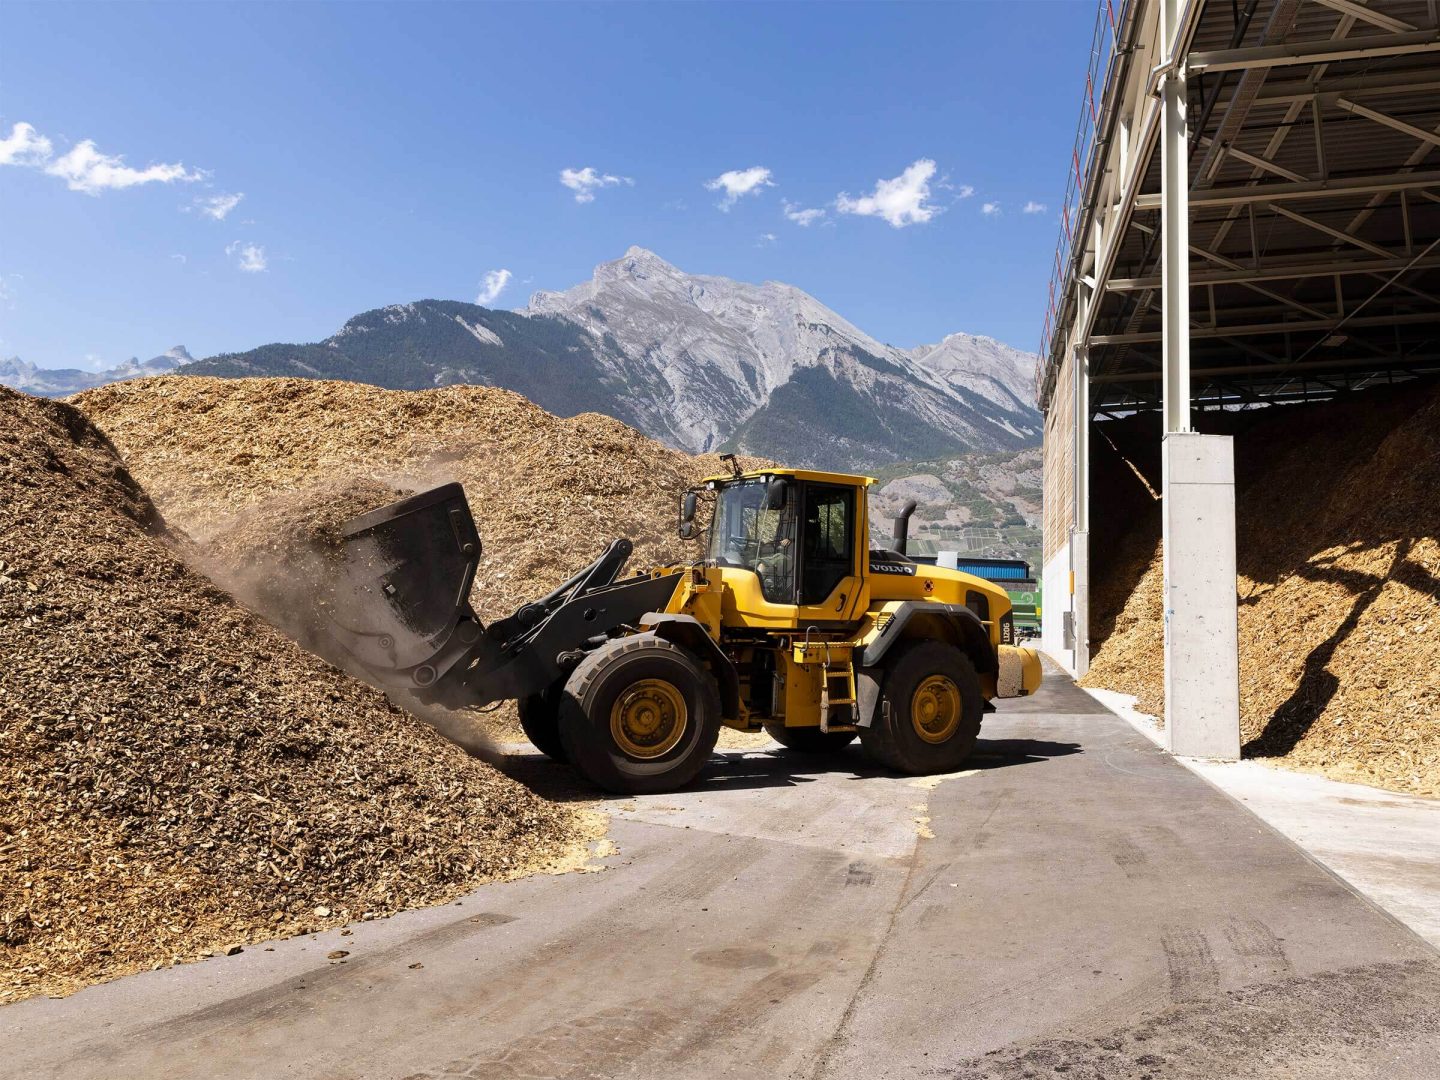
1075, 904
1385, 844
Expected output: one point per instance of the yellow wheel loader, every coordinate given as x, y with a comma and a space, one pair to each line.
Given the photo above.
790, 623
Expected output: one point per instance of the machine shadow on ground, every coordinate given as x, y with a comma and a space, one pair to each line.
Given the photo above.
729, 770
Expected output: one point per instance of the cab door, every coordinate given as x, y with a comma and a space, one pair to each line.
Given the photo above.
830, 581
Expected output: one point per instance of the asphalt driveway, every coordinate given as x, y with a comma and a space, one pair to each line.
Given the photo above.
1073, 904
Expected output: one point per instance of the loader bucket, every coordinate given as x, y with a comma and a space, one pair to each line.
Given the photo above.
399, 605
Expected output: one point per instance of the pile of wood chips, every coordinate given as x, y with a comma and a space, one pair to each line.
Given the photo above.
1338, 543
548, 493
177, 778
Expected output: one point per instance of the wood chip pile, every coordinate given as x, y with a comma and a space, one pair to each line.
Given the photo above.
1339, 588
176, 777
548, 493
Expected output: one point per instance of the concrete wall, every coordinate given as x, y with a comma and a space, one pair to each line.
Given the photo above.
1057, 605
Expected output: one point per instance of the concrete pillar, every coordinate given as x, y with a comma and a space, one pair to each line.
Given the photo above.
1202, 666
1080, 574
1080, 538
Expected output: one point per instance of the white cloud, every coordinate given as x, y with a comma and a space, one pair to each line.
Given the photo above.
492, 285
902, 200
964, 191
1033, 207
584, 182
991, 209
218, 206
250, 258
181, 259
739, 182
24, 146
801, 216
85, 168
766, 239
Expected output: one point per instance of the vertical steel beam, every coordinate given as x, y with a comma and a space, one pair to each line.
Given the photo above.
1175, 229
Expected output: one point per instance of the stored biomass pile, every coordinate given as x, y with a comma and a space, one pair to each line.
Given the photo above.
177, 777
1339, 586
548, 493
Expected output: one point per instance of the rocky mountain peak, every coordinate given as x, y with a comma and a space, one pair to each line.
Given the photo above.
716, 352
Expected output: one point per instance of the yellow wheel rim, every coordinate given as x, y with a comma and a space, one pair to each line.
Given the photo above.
648, 719
935, 709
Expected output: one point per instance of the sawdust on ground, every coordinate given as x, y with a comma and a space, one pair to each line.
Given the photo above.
177, 778
1338, 540
548, 493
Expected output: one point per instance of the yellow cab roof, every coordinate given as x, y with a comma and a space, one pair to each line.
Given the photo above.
849, 479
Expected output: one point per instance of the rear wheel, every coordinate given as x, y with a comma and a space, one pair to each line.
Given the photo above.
540, 720
928, 717
639, 715
809, 740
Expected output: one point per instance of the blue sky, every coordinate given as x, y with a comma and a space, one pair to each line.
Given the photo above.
393, 152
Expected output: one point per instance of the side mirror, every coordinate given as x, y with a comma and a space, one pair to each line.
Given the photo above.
776, 492
688, 529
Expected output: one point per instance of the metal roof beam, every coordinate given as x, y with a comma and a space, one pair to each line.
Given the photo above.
1381, 82
1389, 121
1277, 28
1296, 53
1271, 327
1367, 365
1365, 14
1320, 226
1282, 272
1309, 189
1256, 161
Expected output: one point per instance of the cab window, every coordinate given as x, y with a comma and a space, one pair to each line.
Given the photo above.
745, 533
827, 541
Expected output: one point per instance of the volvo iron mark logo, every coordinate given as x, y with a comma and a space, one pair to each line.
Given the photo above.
903, 569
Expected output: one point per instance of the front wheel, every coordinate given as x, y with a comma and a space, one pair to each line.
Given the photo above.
540, 720
640, 715
928, 717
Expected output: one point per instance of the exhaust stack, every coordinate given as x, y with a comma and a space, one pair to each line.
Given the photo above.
902, 527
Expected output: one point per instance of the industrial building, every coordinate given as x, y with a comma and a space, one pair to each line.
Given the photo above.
1252, 221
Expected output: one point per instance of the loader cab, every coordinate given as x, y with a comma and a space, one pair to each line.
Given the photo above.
790, 545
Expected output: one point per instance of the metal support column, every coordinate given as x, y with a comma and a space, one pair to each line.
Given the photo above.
1174, 229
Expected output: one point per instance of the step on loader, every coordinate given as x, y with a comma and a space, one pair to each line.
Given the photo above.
790, 623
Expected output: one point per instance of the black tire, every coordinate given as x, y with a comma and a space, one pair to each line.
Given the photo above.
595, 714
894, 736
809, 740
540, 720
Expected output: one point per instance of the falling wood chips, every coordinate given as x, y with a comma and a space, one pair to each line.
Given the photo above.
177, 777
1339, 586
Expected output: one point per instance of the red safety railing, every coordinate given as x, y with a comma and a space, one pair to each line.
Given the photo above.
1104, 46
